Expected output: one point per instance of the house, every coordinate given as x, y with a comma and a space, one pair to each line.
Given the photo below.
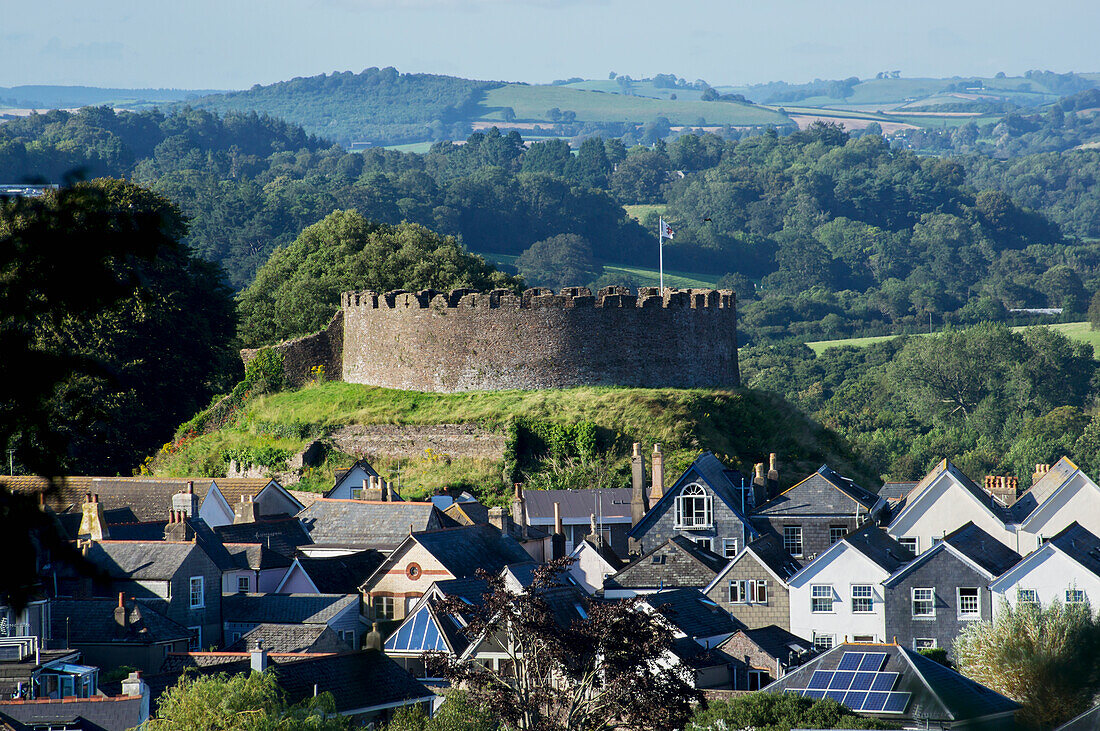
611, 507
396, 586
762, 655
944, 501
1066, 568
283, 535
330, 574
341, 526
110, 634
932, 599
678, 563
706, 505
129, 710
691, 614
231, 500
290, 639
1062, 495
895, 494
428, 629
255, 568
899, 685
350, 483
28, 670
245, 612
817, 512
536, 541
838, 596
753, 585
593, 563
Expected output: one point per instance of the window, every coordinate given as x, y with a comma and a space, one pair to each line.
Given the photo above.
242, 584
194, 640
383, 607
1075, 596
863, 599
197, 593
1027, 596
356, 493
348, 636
707, 543
924, 643
823, 642
821, 598
758, 679
693, 508
910, 543
729, 547
236, 636
863, 638
970, 603
837, 532
924, 602
937, 541
750, 591
792, 540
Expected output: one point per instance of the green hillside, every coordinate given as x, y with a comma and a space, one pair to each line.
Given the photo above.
742, 426
1080, 331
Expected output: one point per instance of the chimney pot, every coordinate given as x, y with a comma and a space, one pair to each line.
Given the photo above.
190, 487
658, 489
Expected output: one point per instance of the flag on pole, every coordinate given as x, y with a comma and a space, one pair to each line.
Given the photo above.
665, 230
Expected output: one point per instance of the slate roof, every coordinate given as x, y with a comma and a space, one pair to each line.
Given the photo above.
716, 476
99, 713
695, 656
1080, 545
1002, 513
85, 621
256, 556
606, 553
823, 493
1043, 488
282, 535
305, 497
465, 549
234, 488
1087, 721
983, 549
611, 503
769, 549
691, 612
776, 642
144, 499
142, 560
341, 574
474, 513
284, 608
697, 571
362, 524
877, 545
290, 638
938, 694
895, 491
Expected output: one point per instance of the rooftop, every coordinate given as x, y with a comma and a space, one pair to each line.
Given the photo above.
285, 608
362, 524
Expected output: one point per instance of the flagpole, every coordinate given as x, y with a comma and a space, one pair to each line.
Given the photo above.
661, 251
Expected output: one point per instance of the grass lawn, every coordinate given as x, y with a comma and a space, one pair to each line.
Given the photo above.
639, 211
1080, 331
417, 147
644, 277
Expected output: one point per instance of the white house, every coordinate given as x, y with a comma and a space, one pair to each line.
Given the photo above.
236, 499
349, 482
592, 564
838, 596
944, 501
1066, 568
1062, 496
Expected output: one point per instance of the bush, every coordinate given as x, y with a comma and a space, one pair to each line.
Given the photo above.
779, 712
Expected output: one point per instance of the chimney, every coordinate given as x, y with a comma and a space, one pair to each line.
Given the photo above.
658, 490
392, 494
134, 686
594, 534
500, 519
245, 510
639, 501
557, 541
372, 490
178, 529
1040, 470
258, 657
374, 639
187, 501
759, 485
122, 617
1004, 489
519, 511
93, 521
773, 475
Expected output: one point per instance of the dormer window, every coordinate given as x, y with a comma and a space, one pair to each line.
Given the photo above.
694, 508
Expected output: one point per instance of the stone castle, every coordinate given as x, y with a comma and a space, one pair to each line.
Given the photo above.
465, 340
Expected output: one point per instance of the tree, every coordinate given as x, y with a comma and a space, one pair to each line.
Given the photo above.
1094, 311
252, 702
779, 712
560, 261
298, 290
1043, 657
458, 713
508, 114
608, 668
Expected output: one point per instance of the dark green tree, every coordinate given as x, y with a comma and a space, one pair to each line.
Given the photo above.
560, 261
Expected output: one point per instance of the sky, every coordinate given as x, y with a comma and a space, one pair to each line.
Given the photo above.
225, 44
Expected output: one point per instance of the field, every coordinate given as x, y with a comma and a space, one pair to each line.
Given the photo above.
1080, 331
530, 103
640, 210
417, 147
641, 276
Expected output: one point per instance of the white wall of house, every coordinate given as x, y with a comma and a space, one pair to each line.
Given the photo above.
943, 507
1077, 500
839, 569
215, 510
589, 569
354, 478
1048, 572
296, 581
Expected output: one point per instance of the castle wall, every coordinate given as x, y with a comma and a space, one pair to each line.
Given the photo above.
462, 340
301, 355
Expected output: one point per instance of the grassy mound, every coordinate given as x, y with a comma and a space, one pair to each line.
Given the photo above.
741, 426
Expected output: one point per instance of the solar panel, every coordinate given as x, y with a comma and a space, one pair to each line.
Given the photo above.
896, 703
854, 700
872, 662
850, 661
820, 679
836, 695
874, 702
863, 681
812, 693
842, 680
884, 681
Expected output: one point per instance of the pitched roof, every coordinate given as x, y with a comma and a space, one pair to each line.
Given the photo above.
146, 494
647, 572
776, 642
927, 690
983, 549
465, 549
98, 713
1087, 721
877, 545
364, 524
605, 551
341, 574
285, 608
234, 488
256, 556
282, 535
716, 476
151, 560
84, 621
823, 493
767, 550
1043, 488
987, 501
474, 513
895, 491
578, 504
1080, 545
691, 612
290, 638
305, 497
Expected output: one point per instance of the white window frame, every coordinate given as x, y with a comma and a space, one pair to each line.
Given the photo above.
911, 543
823, 641
191, 583
1031, 593
786, 541
727, 544
385, 614
870, 597
833, 537
924, 643
738, 591
758, 679
702, 508
976, 613
707, 543
748, 591
246, 581
930, 600
821, 592
1077, 592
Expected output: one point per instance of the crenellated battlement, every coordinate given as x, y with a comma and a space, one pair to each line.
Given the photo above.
542, 299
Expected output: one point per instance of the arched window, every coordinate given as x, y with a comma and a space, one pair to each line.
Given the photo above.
693, 508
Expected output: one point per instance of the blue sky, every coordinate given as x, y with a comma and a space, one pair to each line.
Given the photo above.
228, 44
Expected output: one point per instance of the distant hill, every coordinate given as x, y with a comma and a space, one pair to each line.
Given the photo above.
68, 97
